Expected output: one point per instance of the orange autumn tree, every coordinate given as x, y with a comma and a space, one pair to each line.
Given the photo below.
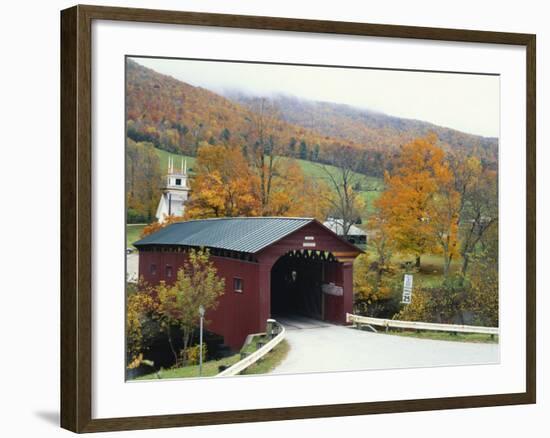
153, 227
228, 185
420, 203
224, 185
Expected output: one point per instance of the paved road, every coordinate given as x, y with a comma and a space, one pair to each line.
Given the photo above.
132, 264
319, 346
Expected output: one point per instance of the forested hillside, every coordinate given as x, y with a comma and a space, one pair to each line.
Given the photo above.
372, 129
177, 117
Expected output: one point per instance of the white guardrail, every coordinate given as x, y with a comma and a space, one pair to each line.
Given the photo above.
356, 319
243, 364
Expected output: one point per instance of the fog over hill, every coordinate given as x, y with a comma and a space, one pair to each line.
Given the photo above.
179, 117
368, 127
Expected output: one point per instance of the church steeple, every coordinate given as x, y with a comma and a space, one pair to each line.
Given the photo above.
176, 191
176, 178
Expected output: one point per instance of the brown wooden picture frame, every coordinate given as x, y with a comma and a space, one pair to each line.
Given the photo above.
76, 217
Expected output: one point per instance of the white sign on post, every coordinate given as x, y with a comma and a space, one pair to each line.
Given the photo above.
407, 289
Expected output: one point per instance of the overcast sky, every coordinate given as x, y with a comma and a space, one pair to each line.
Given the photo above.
467, 102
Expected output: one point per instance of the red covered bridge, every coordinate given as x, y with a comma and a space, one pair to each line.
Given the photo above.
272, 267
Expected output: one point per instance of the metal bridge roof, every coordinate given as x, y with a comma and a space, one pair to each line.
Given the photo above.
246, 234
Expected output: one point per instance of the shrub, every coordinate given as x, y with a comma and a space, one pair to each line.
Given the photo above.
419, 309
373, 292
135, 217
191, 355
140, 329
444, 303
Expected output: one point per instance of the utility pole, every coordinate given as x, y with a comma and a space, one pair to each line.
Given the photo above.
201, 313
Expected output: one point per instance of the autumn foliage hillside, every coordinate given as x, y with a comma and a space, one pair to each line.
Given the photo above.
178, 117
373, 130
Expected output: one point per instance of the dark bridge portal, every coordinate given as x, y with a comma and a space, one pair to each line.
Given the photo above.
296, 280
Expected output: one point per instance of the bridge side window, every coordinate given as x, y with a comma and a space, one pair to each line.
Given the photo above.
168, 271
153, 269
238, 285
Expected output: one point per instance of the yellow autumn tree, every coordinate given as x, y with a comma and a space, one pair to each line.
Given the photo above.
420, 204
445, 215
407, 199
140, 303
382, 243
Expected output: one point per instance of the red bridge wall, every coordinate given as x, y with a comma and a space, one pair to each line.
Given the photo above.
239, 314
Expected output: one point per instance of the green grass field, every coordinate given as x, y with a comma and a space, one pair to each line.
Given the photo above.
163, 156
446, 336
317, 170
211, 368
369, 198
133, 233
270, 360
431, 266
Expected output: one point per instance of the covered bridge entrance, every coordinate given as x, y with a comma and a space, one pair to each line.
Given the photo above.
297, 282
272, 267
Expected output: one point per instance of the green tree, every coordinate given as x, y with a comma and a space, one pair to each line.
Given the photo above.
143, 181
483, 294
292, 147
478, 210
480, 216
225, 135
303, 150
316, 151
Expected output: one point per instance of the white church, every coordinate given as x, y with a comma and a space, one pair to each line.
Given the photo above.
176, 192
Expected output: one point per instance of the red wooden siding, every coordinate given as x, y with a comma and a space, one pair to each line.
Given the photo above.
237, 312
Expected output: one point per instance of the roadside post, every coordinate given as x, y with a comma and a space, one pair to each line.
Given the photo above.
270, 327
407, 289
201, 314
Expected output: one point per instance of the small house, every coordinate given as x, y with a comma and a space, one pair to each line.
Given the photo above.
355, 235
